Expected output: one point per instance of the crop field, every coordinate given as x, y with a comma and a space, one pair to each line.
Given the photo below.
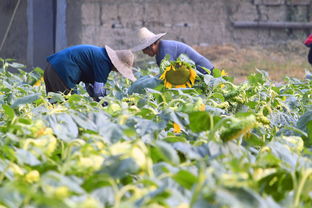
217, 144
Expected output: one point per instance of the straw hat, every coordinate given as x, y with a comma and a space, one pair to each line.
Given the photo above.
123, 61
146, 38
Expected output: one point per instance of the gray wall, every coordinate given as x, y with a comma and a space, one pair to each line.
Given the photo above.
15, 45
196, 22
114, 22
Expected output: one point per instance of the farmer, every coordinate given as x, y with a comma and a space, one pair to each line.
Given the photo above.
308, 43
151, 45
89, 64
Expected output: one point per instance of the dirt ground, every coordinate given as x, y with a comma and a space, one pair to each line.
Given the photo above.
279, 61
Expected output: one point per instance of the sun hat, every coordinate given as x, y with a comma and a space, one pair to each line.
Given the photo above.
122, 61
146, 38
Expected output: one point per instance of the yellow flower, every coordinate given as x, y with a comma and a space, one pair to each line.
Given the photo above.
61, 192
32, 176
202, 107
176, 128
224, 73
38, 82
178, 75
93, 162
16, 169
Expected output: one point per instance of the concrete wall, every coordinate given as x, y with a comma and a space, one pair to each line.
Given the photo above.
196, 22
15, 45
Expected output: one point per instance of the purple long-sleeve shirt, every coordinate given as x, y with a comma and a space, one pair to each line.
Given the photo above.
176, 48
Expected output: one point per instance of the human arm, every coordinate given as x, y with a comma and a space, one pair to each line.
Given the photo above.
96, 90
99, 90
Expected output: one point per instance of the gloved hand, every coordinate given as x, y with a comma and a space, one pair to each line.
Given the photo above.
90, 89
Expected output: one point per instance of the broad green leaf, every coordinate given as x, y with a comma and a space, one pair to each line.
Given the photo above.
26, 99
309, 130
173, 139
105, 195
63, 126
10, 196
55, 179
216, 73
243, 198
26, 157
277, 184
25, 121
200, 121
118, 168
185, 179
96, 181
304, 120
9, 112
167, 152
143, 83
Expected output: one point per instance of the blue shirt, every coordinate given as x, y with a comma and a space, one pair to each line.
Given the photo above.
176, 48
84, 63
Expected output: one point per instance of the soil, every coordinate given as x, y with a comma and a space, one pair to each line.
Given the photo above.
280, 61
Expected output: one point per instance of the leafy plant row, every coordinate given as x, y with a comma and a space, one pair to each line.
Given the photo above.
218, 144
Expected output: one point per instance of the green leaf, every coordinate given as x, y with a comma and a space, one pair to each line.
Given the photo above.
56, 179
26, 99
303, 122
173, 139
185, 179
10, 196
167, 152
9, 112
237, 126
143, 83
277, 184
96, 181
200, 121
243, 198
56, 97
309, 130
256, 79
25, 121
118, 168
218, 96
106, 195
216, 73
27, 157
63, 126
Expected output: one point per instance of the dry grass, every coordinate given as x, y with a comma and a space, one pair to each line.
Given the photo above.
279, 60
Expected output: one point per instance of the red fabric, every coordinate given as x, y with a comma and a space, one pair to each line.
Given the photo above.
308, 41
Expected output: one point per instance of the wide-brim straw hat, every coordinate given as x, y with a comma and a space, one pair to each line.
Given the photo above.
122, 61
146, 38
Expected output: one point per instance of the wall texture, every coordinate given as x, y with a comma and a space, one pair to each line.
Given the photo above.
196, 22
15, 45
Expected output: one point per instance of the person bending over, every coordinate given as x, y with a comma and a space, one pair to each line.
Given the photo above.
152, 45
86, 63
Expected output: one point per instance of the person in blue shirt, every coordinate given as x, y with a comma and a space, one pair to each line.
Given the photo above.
151, 45
86, 63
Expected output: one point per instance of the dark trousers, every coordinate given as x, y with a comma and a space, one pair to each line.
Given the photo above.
310, 56
53, 82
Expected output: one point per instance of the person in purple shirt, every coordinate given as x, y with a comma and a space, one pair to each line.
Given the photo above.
86, 63
151, 45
